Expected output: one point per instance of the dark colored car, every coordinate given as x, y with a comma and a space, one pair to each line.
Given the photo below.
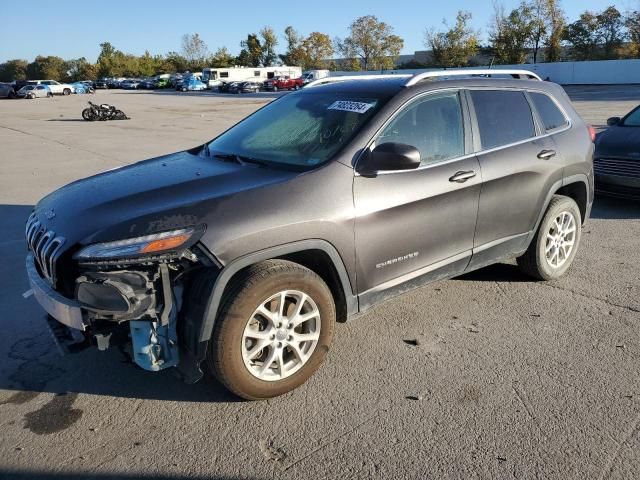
6, 90
102, 84
245, 87
245, 251
617, 157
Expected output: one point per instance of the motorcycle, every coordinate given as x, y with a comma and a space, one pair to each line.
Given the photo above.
102, 112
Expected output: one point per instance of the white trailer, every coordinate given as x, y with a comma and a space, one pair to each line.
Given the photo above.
214, 77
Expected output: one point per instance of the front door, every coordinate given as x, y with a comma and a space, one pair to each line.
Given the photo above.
413, 226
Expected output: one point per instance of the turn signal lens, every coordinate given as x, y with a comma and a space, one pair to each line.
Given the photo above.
592, 133
165, 244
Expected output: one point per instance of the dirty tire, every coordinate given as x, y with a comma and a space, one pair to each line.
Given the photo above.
243, 296
534, 261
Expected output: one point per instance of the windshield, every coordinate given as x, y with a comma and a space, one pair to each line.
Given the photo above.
303, 130
633, 119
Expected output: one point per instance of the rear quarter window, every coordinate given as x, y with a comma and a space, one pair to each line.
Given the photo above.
549, 112
503, 116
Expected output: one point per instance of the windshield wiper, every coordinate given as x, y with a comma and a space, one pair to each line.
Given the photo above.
241, 159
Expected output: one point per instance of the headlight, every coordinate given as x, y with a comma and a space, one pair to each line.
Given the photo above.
134, 247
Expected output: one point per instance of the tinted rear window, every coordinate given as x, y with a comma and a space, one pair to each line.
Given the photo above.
549, 112
504, 117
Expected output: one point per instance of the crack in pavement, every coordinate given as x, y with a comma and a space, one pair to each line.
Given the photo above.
331, 441
590, 297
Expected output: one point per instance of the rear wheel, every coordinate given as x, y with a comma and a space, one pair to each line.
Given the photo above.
66, 91
274, 330
554, 247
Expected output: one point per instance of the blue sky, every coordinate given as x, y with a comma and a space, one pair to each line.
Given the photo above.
73, 30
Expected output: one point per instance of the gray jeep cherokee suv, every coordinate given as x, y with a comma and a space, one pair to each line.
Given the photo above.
243, 253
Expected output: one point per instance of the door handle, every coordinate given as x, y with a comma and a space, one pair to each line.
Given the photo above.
461, 177
546, 154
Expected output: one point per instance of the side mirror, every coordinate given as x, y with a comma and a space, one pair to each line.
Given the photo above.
391, 156
613, 121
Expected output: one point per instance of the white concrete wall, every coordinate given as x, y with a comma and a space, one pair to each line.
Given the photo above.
605, 72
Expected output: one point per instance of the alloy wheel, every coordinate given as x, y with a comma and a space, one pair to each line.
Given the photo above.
560, 239
281, 335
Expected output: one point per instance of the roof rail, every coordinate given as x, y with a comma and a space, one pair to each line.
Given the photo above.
470, 73
342, 78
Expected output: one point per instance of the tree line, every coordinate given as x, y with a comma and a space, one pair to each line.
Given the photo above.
537, 30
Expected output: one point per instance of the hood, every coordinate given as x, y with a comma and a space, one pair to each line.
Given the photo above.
163, 193
619, 141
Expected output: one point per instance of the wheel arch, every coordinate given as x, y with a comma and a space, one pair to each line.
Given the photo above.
317, 255
575, 187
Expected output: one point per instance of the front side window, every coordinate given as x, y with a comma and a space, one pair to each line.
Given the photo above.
432, 124
632, 119
549, 112
503, 116
300, 130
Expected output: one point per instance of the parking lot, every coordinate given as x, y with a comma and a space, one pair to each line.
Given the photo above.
489, 375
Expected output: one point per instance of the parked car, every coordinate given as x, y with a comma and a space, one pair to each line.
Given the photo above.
82, 88
115, 82
147, 84
245, 87
617, 157
102, 84
191, 84
161, 83
129, 84
283, 83
245, 251
56, 88
35, 91
225, 87
6, 90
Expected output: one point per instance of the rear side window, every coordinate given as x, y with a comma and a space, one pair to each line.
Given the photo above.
503, 116
549, 112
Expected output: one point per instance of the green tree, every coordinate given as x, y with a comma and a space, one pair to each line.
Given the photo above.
555, 28
295, 54
269, 43
611, 32
47, 68
454, 47
511, 35
106, 60
13, 70
632, 23
582, 36
174, 62
80, 69
372, 42
221, 58
317, 48
251, 53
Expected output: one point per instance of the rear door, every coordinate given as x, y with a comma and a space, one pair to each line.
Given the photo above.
413, 226
519, 165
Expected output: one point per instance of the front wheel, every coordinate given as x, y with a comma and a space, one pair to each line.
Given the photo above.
66, 91
87, 114
274, 330
554, 247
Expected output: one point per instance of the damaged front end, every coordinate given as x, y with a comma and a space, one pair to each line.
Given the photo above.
127, 294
